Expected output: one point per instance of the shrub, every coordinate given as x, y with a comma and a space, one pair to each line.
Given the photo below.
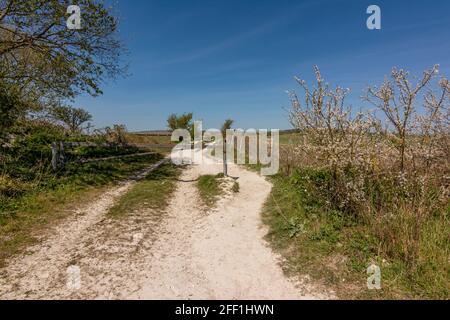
392, 183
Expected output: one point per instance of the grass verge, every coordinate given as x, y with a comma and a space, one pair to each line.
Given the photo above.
23, 217
209, 189
336, 249
153, 192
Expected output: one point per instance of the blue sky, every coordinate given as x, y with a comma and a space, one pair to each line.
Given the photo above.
236, 58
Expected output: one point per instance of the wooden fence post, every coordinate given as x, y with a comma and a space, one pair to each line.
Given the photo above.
225, 166
62, 157
54, 156
58, 156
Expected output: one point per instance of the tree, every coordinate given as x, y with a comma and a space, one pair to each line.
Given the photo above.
11, 107
434, 124
397, 100
116, 134
47, 61
329, 129
184, 121
72, 118
226, 126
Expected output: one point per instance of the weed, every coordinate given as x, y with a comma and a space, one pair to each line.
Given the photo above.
236, 187
153, 192
209, 188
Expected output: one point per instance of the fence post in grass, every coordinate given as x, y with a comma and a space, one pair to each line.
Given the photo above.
54, 156
225, 166
226, 126
62, 158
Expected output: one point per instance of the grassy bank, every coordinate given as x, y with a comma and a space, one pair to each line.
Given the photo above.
357, 189
336, 246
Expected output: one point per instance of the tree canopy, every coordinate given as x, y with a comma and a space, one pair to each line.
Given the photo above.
47, 60
72, 118
11, 107
226, 126
184, 121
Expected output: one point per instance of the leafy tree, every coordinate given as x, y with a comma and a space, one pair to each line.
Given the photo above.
184, 121
72, 118
116, 134
45, 60
11, 107
226, 126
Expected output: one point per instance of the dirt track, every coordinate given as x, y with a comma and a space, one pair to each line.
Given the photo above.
189, 252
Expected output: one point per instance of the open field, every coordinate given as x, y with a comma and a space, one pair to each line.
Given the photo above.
148, 138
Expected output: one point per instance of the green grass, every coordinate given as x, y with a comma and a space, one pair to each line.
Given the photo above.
209, 189
53, 197
335, 248
153, 192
